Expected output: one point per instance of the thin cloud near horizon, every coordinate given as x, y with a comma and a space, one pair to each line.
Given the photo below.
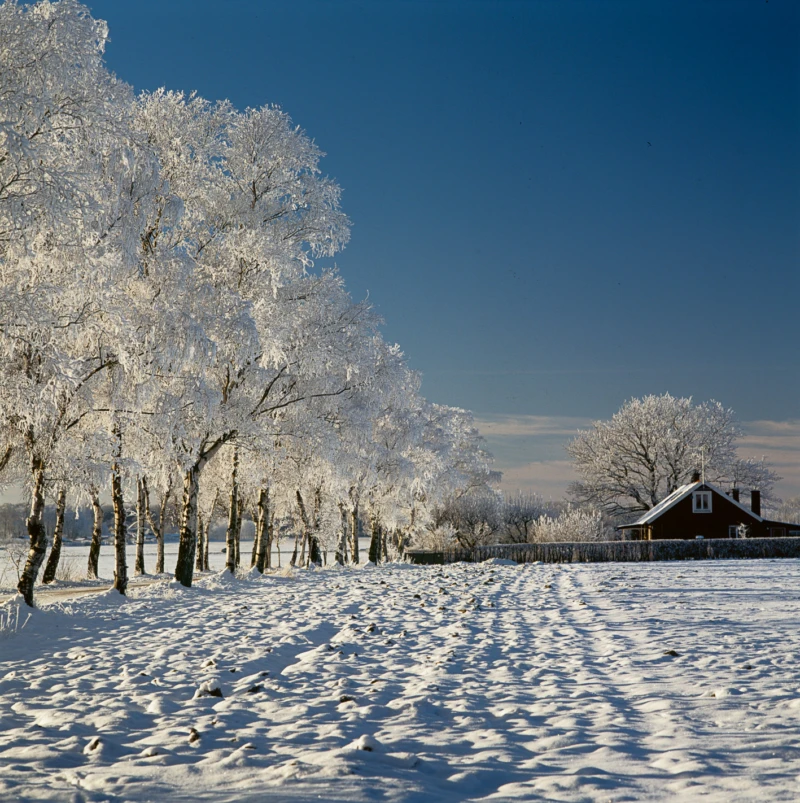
550, 476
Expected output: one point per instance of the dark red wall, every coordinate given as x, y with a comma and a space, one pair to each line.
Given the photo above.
681, 522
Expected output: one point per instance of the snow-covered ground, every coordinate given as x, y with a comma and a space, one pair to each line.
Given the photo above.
74, 557
603, 682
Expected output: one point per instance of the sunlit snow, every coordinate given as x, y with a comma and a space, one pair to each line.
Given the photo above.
468, 682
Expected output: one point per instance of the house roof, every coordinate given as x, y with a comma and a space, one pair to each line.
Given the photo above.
681, 493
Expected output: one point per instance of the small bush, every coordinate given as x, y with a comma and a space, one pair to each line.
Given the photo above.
68, 570
573, 524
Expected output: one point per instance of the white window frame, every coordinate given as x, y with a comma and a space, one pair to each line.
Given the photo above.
699, 500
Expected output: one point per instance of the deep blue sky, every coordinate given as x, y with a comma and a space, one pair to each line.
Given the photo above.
557, 205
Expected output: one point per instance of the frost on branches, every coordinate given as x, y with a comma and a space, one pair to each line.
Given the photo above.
163, 331
652, 446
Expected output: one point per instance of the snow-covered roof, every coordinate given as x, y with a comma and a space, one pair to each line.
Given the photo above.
681, 493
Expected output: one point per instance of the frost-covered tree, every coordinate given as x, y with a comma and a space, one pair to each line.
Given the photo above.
475, 518
788, 511
159, 311
520, 512
243, 210
66, 167
572, 524
652, 446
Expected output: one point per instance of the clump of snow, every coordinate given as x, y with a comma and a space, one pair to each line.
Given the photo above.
365, 742
113, 596
499, 562
208, 689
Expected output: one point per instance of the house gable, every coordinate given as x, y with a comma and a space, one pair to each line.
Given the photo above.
696, 509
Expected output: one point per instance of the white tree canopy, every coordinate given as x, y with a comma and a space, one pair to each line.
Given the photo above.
652, 446
159, 304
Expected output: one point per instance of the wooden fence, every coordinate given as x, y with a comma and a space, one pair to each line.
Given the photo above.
623, 551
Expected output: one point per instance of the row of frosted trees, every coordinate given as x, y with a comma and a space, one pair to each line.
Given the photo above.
163, 328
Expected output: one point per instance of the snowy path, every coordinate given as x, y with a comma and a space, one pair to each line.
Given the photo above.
467, 682
46, 595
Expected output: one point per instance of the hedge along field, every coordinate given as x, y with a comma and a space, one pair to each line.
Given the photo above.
622, 551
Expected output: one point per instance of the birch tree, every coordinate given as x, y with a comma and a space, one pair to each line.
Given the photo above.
254, 211
64, 176
159, 307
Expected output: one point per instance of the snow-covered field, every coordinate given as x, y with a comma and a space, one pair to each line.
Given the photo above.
603, 682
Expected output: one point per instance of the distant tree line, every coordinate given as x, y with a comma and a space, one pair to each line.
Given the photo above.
481, 519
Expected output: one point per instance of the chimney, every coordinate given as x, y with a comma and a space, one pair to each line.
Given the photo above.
696, 476
755, 502
735, 494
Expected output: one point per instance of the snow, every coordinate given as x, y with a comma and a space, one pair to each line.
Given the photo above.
74, 557
578, 682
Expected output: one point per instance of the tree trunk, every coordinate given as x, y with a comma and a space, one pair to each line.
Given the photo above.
187, 543
51, 567
308, 535
314, 551
36, 534
341, 544
158, 529
97, 534
206, 535
262, 531
199, 564
237, 538
162, 521
120, 560
375, 541
140, 514
271, 540
400, 542
233, 509
354, 533
204, 532
254, 551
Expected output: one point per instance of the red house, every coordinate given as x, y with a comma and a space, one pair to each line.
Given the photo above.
702, 509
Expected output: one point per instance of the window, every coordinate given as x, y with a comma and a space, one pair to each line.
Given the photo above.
701, 502
733, 531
